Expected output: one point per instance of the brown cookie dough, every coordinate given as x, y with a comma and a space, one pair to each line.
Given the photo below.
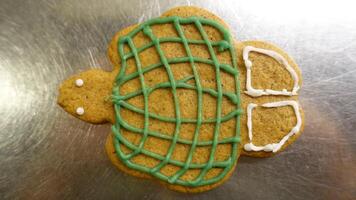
92, 96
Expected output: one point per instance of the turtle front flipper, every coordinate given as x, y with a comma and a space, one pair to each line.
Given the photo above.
270, 82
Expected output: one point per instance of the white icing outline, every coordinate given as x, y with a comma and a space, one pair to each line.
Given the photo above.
279, 58
274, 147
80, 111
79, 82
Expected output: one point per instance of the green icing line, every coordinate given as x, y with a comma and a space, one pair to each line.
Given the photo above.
120, 101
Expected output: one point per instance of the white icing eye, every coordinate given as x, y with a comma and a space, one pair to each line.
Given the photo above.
79, 82
80, 111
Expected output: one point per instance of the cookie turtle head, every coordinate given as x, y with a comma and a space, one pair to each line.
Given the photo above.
86, 96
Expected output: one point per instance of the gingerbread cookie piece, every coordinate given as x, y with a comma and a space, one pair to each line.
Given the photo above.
186, 99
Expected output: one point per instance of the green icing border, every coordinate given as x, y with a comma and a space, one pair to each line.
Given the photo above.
119, 101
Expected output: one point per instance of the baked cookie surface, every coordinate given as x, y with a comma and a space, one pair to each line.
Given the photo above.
186, 99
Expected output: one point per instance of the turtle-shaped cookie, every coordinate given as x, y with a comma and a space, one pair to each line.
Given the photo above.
186, 99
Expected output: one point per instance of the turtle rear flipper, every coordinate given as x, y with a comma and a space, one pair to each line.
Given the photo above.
270, 81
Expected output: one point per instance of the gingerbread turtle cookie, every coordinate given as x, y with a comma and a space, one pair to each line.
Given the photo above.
186, 100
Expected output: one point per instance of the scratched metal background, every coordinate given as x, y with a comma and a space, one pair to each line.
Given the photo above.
47, 154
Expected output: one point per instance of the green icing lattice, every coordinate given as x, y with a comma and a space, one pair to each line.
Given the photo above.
120, 101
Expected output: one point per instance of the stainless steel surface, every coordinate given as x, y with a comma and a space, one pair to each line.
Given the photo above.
47, 154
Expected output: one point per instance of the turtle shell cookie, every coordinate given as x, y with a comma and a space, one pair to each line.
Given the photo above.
185, 100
